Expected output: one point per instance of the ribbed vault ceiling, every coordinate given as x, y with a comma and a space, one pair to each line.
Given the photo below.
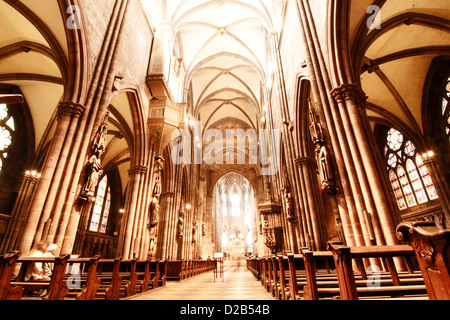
224, 48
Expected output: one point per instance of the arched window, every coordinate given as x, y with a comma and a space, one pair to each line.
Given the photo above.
7, 128
408, 174
101, 208
446, 108
224, 205
235, 205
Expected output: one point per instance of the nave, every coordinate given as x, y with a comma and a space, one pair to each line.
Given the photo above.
237, 283
141, 138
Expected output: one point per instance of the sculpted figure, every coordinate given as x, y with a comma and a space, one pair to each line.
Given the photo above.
290, 215
94, 168
154, 205
180, 223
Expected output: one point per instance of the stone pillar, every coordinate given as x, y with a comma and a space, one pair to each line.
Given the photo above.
349, 98
128, 232
166, 202
61, 181
68, 114
325, 103
20, 212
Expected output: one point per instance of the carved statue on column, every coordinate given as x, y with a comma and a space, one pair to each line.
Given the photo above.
94, 165
289, 202
194, 230
328, 183
180, 233
315, 128
268, 190
154, 205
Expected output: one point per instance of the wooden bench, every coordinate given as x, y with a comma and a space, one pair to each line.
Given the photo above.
161, 279
296, 266
432, 250
254, 266
153, 276
56, 287
318, 276
127, 271
183, 269
144, 275
265, 273
283, 275
7, 265
81, 278
388, 284
108, 271
175, 270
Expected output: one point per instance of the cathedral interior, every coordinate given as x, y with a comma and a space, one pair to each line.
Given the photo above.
182, 129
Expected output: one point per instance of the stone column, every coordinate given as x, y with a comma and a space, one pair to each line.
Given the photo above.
321, 87
20, 212
369, 176
137, 174
61, 180
36, 220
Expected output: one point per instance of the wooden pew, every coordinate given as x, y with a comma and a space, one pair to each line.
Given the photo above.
56, 287
269, 278
143, 275
265, 278
296, 265
7, 265
154, 275
318, 279
127, 271
393, 286
81, 278
432, 250
175, 270
254, 266
275, 289
108, 271
283, 277
311, 276
161, 280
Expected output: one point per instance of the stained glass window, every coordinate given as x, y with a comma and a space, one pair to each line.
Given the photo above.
446, 108
429, 185
101, 207
416, 181
397, 190
408, 174
7, 128
394, 140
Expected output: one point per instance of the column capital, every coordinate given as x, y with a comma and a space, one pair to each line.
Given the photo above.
350, 91
71, 109
137, 169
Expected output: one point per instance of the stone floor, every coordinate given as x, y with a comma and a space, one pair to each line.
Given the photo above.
237, 284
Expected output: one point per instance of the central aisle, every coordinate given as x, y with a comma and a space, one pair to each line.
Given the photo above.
238, 284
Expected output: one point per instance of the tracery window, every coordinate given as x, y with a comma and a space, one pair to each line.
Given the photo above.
7, 128
101, 208
408, 174
235, 205
446, 108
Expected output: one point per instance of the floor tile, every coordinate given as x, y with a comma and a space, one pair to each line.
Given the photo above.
238, 284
